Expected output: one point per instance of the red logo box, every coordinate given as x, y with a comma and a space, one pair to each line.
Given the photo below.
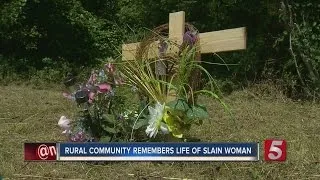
40, 152
275, 150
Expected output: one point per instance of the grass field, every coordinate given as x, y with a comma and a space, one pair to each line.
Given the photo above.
29, 115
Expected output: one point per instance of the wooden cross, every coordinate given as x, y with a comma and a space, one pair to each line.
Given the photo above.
210, 42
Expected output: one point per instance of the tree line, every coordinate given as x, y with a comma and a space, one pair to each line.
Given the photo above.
50, 37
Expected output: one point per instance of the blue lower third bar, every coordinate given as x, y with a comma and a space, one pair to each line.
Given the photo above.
158, 152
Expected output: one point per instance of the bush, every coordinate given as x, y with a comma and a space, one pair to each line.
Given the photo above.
301, 68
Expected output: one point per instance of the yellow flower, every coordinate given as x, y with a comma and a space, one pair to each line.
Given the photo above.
174, 124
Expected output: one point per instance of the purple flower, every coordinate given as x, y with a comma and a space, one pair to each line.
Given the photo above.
163, 46
78, 137
190, 38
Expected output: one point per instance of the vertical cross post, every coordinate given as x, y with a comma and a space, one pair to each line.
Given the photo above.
176, 29
210, 42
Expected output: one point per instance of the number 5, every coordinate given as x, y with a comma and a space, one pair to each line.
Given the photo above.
275, 150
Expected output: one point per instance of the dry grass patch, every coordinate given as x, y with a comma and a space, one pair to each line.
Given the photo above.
28, 115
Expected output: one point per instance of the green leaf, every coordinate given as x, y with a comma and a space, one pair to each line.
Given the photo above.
179, 104
174, 125
110, 130
140, 123
109, 118
105, 139
197, 112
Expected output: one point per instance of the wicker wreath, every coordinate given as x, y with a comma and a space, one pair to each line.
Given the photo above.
159, 34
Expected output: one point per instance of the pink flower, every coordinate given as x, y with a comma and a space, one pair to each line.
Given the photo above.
110, 68
93, 78
68, 96
80, 136
103, 88
91, 97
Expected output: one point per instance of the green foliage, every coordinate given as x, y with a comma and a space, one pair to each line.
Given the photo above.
179, 105
301, 36
110, 123
105, 111
189, 113
60, 30
197, 112
81, 33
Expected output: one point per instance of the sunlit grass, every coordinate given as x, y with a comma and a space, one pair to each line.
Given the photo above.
28, 115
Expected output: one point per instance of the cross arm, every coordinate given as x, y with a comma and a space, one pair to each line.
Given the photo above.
129, 50
224, 40
210, 42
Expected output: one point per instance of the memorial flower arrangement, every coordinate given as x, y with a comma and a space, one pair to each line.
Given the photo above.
167, 115
102, 115
105, 117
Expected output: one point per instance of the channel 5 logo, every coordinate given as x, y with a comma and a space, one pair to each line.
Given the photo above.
40, 152
275, 150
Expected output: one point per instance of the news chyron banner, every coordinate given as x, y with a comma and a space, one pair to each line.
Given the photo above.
142, 152
40, 151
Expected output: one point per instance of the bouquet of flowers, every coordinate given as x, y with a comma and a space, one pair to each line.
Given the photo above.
101, 114
104, 117
166, 115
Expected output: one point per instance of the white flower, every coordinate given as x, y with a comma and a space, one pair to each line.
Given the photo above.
64, 123
156, 115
